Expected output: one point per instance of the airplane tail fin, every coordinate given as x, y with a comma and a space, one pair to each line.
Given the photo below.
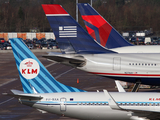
34, 77
100, 29
71, 37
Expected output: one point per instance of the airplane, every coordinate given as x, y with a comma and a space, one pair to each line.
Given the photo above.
44, 93
107, 35
81, 51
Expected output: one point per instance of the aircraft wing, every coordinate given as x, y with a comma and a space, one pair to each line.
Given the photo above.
20, 94
136, 112
77, 61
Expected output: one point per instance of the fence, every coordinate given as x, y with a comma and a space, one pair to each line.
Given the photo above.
29, 35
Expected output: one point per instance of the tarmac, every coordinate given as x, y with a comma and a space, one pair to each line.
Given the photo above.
10, 109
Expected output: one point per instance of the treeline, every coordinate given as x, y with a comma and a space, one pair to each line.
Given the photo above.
23, 15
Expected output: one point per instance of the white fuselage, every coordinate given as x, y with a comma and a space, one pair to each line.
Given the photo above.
128, 67
138, 49
95, 105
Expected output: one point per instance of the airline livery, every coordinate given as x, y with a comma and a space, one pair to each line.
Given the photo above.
107, 36
43, 92
80, 50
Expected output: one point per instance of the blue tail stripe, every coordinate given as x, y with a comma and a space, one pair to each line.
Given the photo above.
44, 82
40, 84
23, 54
59, 87
49, 90
76, 90
68, 88
25, 89
21, 46
56, 83
24, 83
20, 53
39, 88
18, 57
47, 82
56, 89
23, 80
23, 50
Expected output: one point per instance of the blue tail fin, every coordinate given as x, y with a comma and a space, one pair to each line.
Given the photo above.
100, 29
71, 37
34, 76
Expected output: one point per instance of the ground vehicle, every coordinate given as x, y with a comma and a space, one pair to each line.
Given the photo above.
44, 45
30, 45
34, 40
2, 40
37, 44
7, 46
147, 40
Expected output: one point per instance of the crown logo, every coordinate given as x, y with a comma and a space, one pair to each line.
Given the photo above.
29, 64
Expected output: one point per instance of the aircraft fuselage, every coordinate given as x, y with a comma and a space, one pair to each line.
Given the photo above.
127, 67
95, 105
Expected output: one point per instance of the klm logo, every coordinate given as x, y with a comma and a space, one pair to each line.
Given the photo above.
29, 68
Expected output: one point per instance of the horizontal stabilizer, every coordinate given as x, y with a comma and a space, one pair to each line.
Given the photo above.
22, 95
75, 61
42, 111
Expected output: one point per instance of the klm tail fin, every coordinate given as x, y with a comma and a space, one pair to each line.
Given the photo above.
100, 29
34, 76
71, 37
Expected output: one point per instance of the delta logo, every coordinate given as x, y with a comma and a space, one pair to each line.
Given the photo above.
29, 68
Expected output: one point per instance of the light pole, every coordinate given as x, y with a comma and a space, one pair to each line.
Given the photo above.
77, 10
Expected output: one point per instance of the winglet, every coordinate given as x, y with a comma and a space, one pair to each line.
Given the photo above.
119, 86
111, 101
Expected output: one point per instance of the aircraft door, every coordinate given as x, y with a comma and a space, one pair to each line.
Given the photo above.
63, 104
116, 63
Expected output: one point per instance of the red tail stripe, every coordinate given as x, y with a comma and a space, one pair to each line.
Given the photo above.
95, 20
53, 9
121, 74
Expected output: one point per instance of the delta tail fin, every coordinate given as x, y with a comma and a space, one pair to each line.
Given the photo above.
71, 37
100, 29
34, 77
